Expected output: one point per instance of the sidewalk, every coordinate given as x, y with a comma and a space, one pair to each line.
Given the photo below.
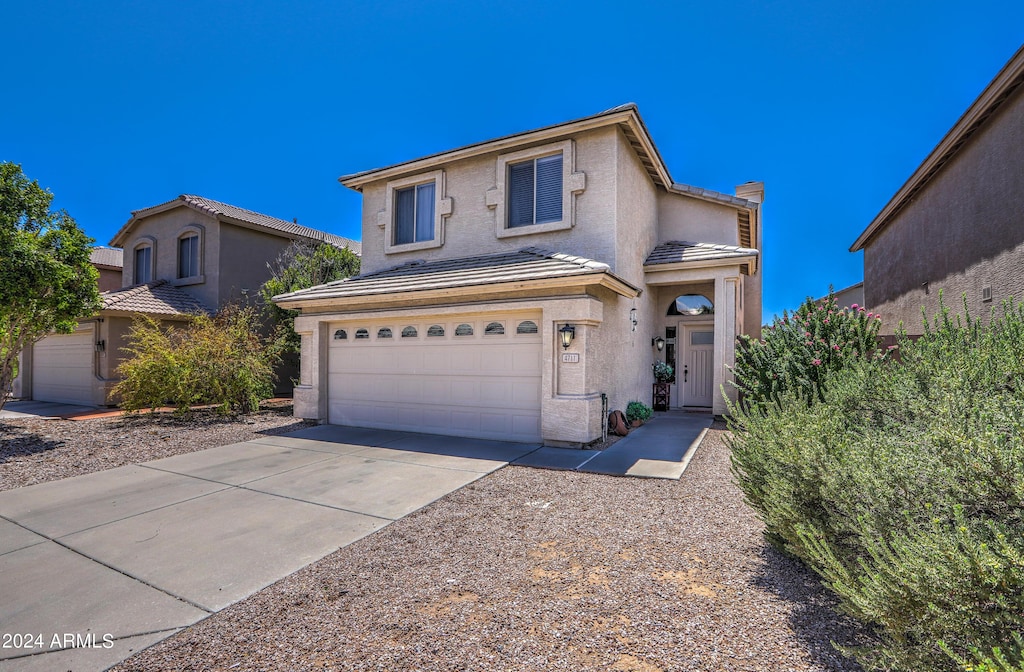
660, 448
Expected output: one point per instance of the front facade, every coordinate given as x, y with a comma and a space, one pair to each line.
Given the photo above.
478, 262
188, 255
955, 227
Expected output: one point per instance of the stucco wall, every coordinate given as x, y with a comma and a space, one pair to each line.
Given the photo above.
964, 231
470, 230
165, 228
109, 278
682, 217
244, 255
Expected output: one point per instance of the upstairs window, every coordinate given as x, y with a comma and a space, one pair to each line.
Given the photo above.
143, 264
188, 256
535, 191
414, 214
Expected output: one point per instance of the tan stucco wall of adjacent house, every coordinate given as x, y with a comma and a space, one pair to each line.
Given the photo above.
470, 229
963, 232
163, 230
244, 255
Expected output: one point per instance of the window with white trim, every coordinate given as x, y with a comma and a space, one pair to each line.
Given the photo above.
414, 213
535, 191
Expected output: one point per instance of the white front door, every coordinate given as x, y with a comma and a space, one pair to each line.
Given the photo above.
696, 372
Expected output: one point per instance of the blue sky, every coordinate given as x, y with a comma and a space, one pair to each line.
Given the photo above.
116, 106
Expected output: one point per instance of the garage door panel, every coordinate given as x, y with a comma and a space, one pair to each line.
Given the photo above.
62, 368
482, 386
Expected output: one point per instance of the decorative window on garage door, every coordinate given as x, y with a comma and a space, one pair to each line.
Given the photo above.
384, 332
464, 330
494, 329
409, 332
435, 330
361, 334
527, 327
341, 335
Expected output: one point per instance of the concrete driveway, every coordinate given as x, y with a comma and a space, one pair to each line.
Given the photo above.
97, 567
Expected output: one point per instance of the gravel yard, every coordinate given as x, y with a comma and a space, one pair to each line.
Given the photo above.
540, 570
36, 450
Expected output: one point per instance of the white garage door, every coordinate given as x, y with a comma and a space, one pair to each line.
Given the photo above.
476, 377
62, 369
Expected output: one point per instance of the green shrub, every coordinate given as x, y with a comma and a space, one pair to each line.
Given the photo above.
903, 488
220, 360
799, 351
638, 410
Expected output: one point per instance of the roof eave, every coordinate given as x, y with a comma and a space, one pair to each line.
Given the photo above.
296, 300
1010, 77
734, 260
625, 114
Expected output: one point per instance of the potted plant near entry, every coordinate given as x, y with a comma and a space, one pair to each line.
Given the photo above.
637, 412
662, 377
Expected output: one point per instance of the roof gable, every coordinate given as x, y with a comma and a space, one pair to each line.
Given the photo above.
232, 214
1009, 80
626, 117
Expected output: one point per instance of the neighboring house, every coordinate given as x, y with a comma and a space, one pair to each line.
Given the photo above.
187, 255
846, 297
955, 226
478, 261
109, 261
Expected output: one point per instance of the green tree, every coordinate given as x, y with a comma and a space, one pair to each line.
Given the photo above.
301, 266
46, 280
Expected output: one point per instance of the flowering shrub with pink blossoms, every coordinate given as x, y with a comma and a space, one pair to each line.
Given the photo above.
798, 352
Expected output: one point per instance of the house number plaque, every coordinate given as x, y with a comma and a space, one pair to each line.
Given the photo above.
571, 357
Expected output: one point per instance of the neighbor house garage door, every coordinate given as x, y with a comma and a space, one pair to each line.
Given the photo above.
475, 377
62, 368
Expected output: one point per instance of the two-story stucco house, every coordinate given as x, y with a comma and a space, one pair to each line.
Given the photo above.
187, 255
955, 226
510, 284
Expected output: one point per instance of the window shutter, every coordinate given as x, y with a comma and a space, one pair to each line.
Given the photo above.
425, 212
405, 212
549, 189
520, 200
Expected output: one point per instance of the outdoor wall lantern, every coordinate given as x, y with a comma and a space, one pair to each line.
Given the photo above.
101, 346
568, 332
659, 343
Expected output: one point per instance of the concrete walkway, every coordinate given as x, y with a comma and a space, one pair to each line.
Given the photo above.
103, 565
42, 409
660, 448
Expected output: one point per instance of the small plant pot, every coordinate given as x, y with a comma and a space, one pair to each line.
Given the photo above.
636, 423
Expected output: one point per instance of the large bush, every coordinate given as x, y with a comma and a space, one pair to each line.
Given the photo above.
902, 486
220, 360
799, 351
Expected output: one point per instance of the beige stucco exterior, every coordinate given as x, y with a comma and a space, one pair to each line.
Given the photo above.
620, 210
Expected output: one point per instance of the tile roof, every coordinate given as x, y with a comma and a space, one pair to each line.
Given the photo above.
677, 252
710, 195
157, 298
107, 256
250, 217
527, 264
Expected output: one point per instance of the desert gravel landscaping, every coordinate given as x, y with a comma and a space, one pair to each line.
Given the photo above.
37, 450
540, 570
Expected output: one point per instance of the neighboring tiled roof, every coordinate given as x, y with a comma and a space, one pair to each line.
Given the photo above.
232, 212
709, 195
107, 256
157, 298
677, 252
527, 264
